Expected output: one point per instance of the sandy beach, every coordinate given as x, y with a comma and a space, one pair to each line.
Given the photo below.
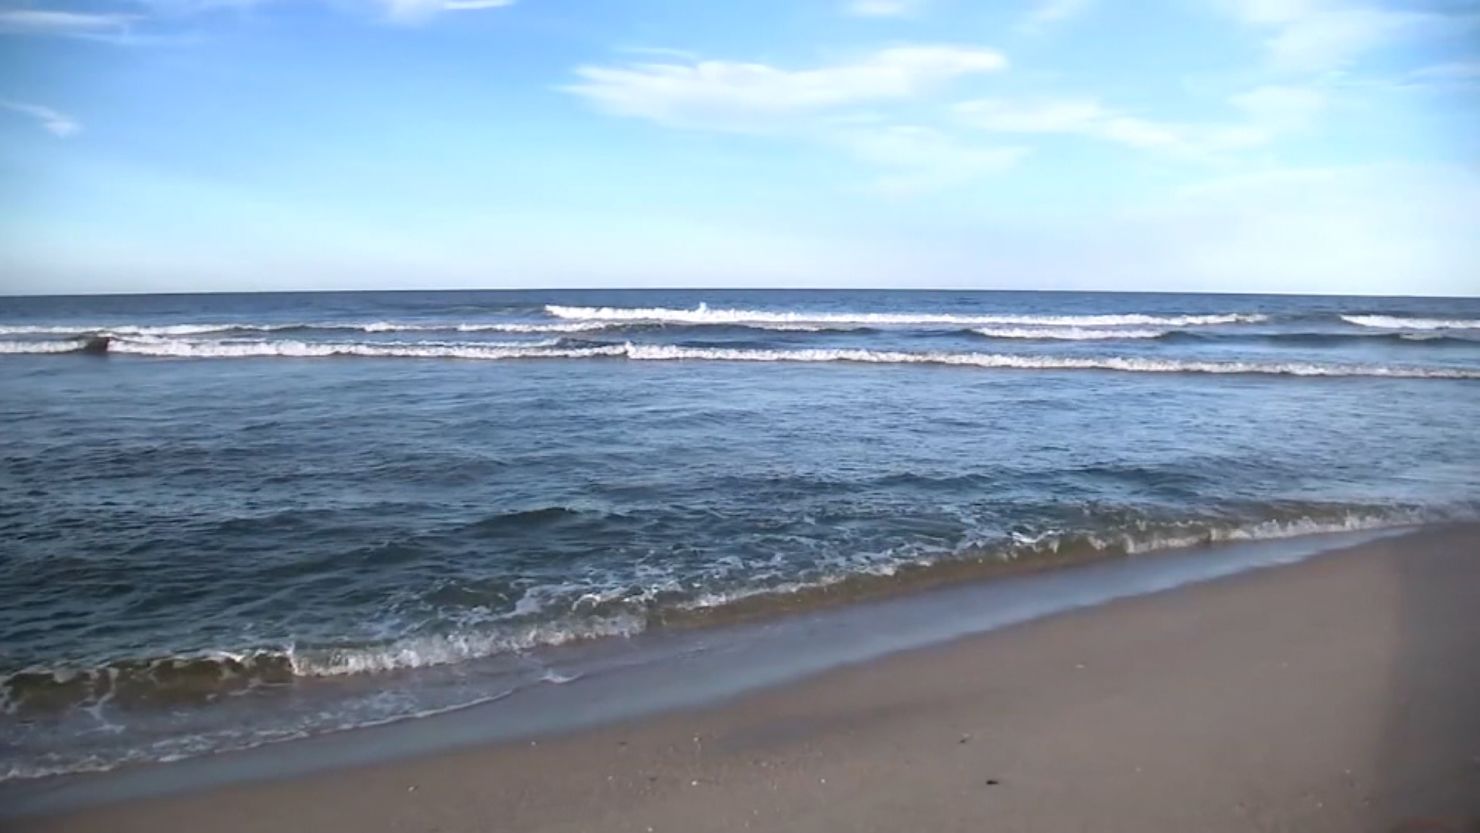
1336, 694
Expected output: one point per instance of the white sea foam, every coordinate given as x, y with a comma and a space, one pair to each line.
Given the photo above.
494, 351
703, 314
467, 327
551, 327
425, 651
657, 352
248, 327
68, 346
1066, 333
1190, 534
137, 329
323, 349
1398, 322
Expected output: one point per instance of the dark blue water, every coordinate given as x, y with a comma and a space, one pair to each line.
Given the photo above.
237, 518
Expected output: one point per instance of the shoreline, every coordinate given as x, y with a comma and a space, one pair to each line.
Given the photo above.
445, 750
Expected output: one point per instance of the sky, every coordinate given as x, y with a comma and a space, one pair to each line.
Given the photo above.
1325, 146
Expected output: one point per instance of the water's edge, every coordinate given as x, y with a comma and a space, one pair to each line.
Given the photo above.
677, 669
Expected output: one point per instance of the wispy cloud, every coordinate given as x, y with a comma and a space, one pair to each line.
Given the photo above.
883, 8
846, 107
1314, 36
119, 27
1453, 75
749, 97
474, 5
74, 24
1043, 13
1266, 112
412, 11
55, 122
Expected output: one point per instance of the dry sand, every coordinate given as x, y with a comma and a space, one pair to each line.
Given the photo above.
1338, 694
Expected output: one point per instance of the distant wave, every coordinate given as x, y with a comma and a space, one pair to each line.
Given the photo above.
1389, 337
703, 314
571, 319
1397, 322
323, 349
365, 327
1282, 338
71, 345
558, 326
1021, 362
287, 348
1066, 333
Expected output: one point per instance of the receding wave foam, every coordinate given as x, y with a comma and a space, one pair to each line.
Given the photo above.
1396, 322
1067, 333
126, 689
198, 679
703, 314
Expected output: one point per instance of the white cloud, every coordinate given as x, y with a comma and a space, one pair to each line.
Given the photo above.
883, 8
817, 106
57, 123
730, 95
1088, 117
1456, 74
1047, 12
117, 27
1330, 40
1317, 35
46, 22
413, 11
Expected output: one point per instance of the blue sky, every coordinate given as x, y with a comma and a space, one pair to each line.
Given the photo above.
1224, 145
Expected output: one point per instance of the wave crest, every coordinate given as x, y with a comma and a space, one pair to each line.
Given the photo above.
703, 314
1067, 333
556, 349
1398, 322
656, 352
311, 349
71, 345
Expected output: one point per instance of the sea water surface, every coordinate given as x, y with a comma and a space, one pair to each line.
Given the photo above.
233, 519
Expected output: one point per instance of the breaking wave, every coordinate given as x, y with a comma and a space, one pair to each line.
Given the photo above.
703, 314
1397, 322
1128, 364
1067, 333
556, 349
71, 345
362, 327
322, 349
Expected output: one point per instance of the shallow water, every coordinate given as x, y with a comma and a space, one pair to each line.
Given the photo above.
259, 517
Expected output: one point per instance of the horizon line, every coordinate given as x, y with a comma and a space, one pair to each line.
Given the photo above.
677, 288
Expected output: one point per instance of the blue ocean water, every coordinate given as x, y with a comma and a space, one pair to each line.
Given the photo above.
231, 519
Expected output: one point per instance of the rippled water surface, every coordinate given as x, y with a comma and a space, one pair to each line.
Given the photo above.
230, 519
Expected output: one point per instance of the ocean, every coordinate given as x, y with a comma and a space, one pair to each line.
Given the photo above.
228, 520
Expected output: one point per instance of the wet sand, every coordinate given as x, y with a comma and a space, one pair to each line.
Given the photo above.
1341, 693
